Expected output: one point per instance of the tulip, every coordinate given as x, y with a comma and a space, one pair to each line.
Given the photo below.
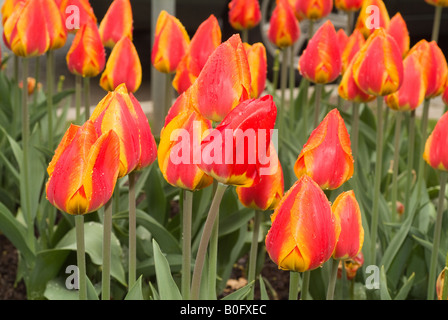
342, 39
399, 31
171, 42
31, 85
314, 9
330, 140
224, 81
72, 10
117, 23
349, 90
206, 39
244, 14
34, 27
439, 3
445, 95
348, 5
8, 8
354, 43
256, 55
351, 266
121, 112
370, 20
123, 66
86, 56
440, 285
284, 29
304, 231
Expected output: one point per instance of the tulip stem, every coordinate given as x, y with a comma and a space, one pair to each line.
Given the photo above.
378, 174
87, 97
132, 230
424, 134
245, 35
187, 210
396, 164
78, 93
283, 82
317, 97
437, 233
50, 86
16, 97
333, 277
81, 256
168, 92
36, 77
411, 140
305, 285
445, 284
206, 233
294, 278
275, 69
436, 25
253, 251
305, 105
355, 130
107, 231
292, 84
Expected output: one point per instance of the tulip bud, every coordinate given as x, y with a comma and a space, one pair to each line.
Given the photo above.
76, 13
223, 82
330, 140
31, 85
439, 3
348, 5
284, 29
314, 9
436, 147
321, 61
349, 90
342, 39
121, 112
304, 231
117, 23
8, 8
354, 43
351, 266
258, 64
373, 15
378, 68
171, 41
86, 56
123, 66
83, 171
399, 31
445, 95
440, 283
244, 14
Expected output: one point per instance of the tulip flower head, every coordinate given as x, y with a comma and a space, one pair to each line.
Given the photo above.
117, 23
351, 266
378, 68
123, 66
314, 9
439, 3
330, 140
372, 16
84, 170
244, 14
349, 90
321, 61
354, 43
171, 42
258, 63
76, 13
8, 8
348, 5
445, 95
436, 147
86, 56
342, 39
440, 283
399, 31
284, 29
304, 231
121, 112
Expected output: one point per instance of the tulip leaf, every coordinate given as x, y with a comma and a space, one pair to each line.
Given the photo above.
407, 286
168, 289
384, 291
57, 290
135, 292
240, 294
263, 292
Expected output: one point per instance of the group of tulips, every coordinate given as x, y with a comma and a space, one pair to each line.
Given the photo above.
220, 87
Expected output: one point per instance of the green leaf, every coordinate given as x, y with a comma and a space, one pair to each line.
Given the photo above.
241, 293
168, 289
404, 291
56, 290
263, 292
384, 291
135, 292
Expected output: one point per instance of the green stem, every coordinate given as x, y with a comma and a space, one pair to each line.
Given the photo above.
437, 232
245, 35
36, 77
305, 105
292, 84
378, 174
50, 86
81, 256
445, 284
317, 98
87, 97
168, 92
15, 114
253, 251
350, 19
213, 259
78, 94
107, 232
132, 230
283, 82
394, 193
436, 25
424, 134
333, 277
276, 70
355, 130
311, 29
305, 285
411, 141
186, 242
294, 278
202, 250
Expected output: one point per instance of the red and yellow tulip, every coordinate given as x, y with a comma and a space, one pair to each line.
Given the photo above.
354, 43
258, 64
121, 112
84, 170
342, 39
348, 214
84, 9
349, 90
244, 14
224, 81
378, 68
284, 29
445, 95
171, 42
369, 20
348, 5
86, 56
8, 8
439, 3
399, 31
321, 61
314, 9
117, 23
123, 66
440, 283
436, 147
351, 266
304, 231
330, 140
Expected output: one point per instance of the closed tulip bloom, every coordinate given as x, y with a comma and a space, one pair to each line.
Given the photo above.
267, 193
330, 140
436, 147
72, 10
121, 112
8, 8
351, 266
179, 150
83, 171
348, 5
445, 95
258, 63
123, 66
117, 23
342, 39
314, 9
349, 90
439, 3
284, 29
35, 27
378, 69
321, 61
205, 40
354, 43
233, 152
440, 283
244, 14
224, 81
366, 22
399, 31
171, 42
304, 231
86, 56
412, 92
348, 214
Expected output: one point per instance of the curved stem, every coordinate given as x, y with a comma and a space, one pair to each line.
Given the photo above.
253, 251
186, 243
333, 277
395, 164
294, 278
132, 231
305, 285
202, 250
107, 232
81, 257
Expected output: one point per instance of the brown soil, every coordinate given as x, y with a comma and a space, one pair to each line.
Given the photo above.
9, 289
